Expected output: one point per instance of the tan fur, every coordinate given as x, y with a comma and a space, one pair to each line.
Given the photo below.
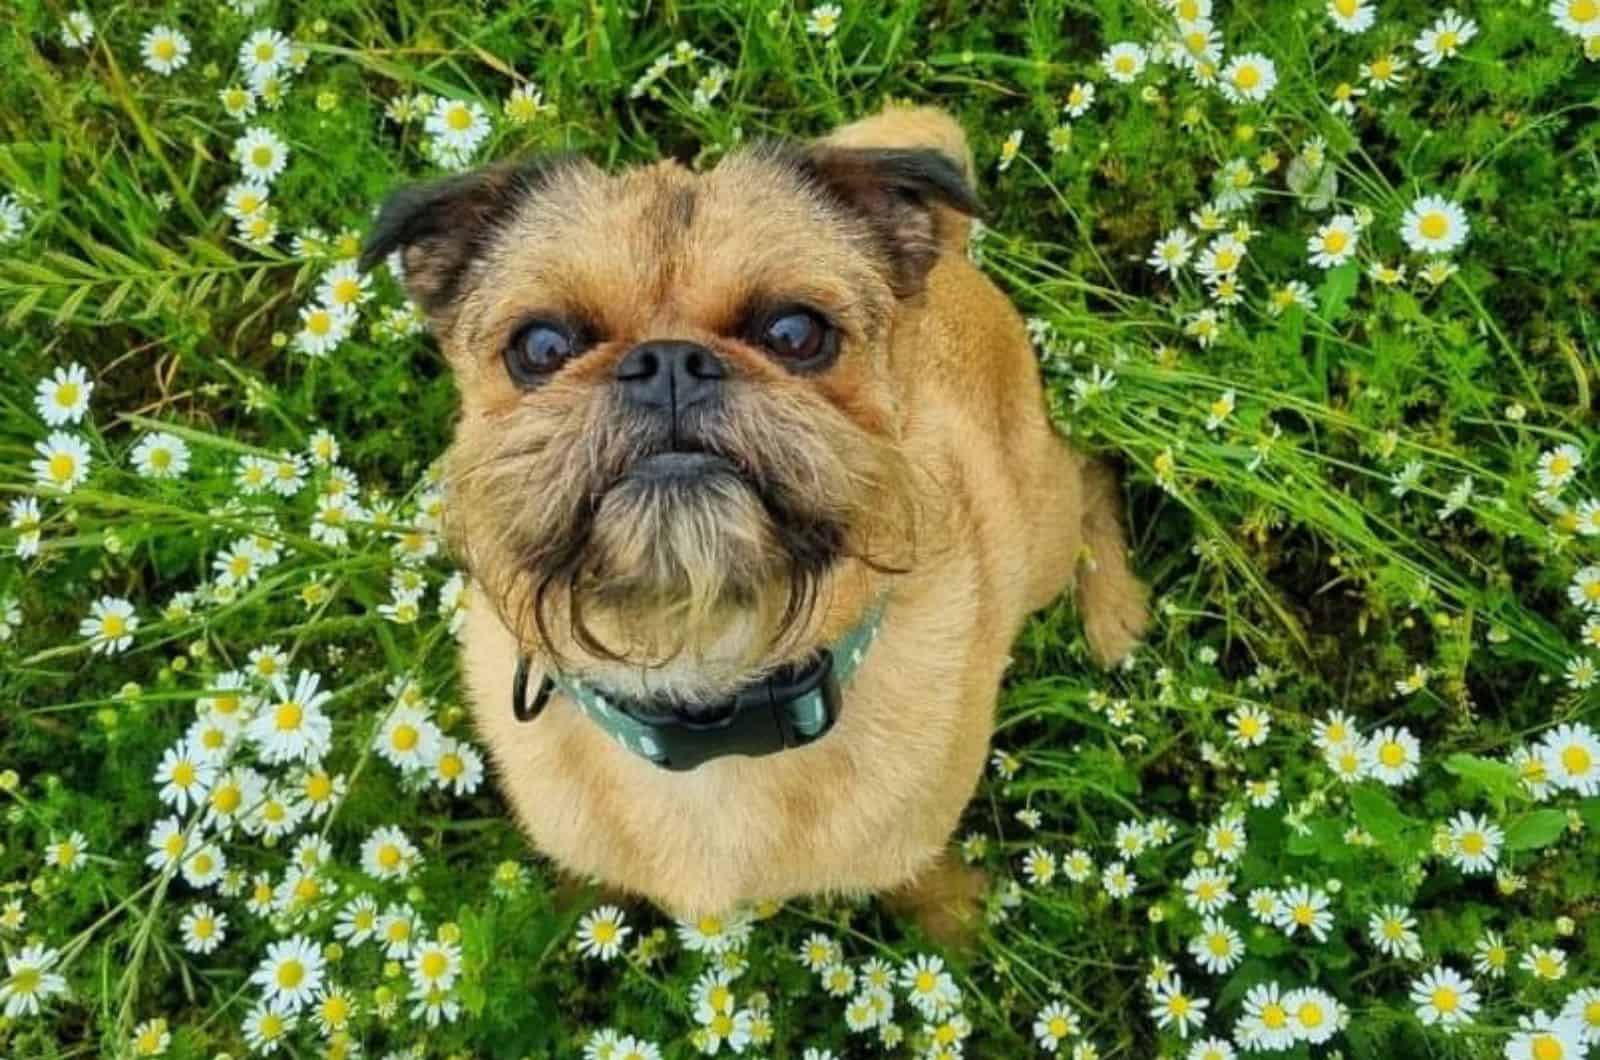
928, 440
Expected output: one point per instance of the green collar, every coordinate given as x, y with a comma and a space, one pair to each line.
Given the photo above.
793, 707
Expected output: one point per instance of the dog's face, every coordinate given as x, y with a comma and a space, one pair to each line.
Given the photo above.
679, 417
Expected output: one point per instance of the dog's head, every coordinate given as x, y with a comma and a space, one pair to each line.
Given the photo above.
679, 416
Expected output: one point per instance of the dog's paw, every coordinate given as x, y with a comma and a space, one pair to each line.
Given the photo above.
1114, 619
946, 901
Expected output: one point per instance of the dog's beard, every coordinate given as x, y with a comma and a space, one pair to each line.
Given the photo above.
607, 533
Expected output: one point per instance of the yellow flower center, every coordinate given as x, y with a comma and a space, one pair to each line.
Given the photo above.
404, 737
450, 765
1583, 10
1548, 1047
1347, 8
320, 322
1310, 1014
261, 156
160, 459
173, 844
290, 974
62, 466
201, 864
319, 787
1392, 755
113, 626
1218, 944
1058, 1027
288, 716
924, 982
1546, 967
1247, 77
1576, 761
1335, 240
1446, 41
335, 1010
1472, 844
1304, 914
204, 928
1124, 64
1445, 999
347, 290
434, 964
67, 395
1178, 1005
226, 799
1273, 1017
265, 52
271, 1026
459, 119
604, 931
1434, 225
1382, 69
166, 49
389, 856
305, 889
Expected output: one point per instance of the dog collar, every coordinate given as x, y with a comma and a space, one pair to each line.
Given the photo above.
792, 707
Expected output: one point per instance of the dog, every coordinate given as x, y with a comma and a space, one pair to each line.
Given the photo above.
754, 471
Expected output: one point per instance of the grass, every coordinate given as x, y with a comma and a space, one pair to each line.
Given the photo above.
1351, 502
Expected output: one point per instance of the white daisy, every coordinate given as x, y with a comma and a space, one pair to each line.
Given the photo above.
1583, 1008
1302, 907
408, 739
1248, 78
185, 775
263, 53
1218, 948
160, 455
1124, 62
64, 396
260, 154
1265, 1022
823, 20
168, 844
1392, 930
1352, 16
1080, 97
388, 855
602, 932
63, 461
1433, 225
1571, 757
205, 866
1314, 1016
1445, 997
357, 921
344, 286
1172, 251
1174, 1007
30, 981
292, 727
246, 199
77, 29
267, 1025
458, 125
1393, 755
202, 928
1054, 1024
322, 328
1117, 880
1581, 18
715, 934
1557, 466
290, 973
1545, 1037
457, 768
435, 965
1441, 40
164, 49
1334, 242
110, 625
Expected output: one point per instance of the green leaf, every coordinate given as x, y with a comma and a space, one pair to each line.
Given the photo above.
1336, 291
1499, 779
1378, 814
1534, 830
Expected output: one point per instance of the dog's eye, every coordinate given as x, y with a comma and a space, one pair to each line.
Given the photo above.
799, 336
537, 349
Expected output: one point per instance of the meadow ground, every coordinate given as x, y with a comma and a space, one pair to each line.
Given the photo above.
1319, 274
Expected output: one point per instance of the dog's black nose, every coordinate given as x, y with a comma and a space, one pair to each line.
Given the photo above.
670, 375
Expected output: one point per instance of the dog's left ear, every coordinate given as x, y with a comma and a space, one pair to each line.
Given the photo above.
439, 227
905, 195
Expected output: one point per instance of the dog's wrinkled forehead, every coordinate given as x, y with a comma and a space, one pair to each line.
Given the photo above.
846, 229
660, 244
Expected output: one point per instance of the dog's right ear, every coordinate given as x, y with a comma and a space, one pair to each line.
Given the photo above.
439, 227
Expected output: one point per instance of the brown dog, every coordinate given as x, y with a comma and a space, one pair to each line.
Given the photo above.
714, 424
